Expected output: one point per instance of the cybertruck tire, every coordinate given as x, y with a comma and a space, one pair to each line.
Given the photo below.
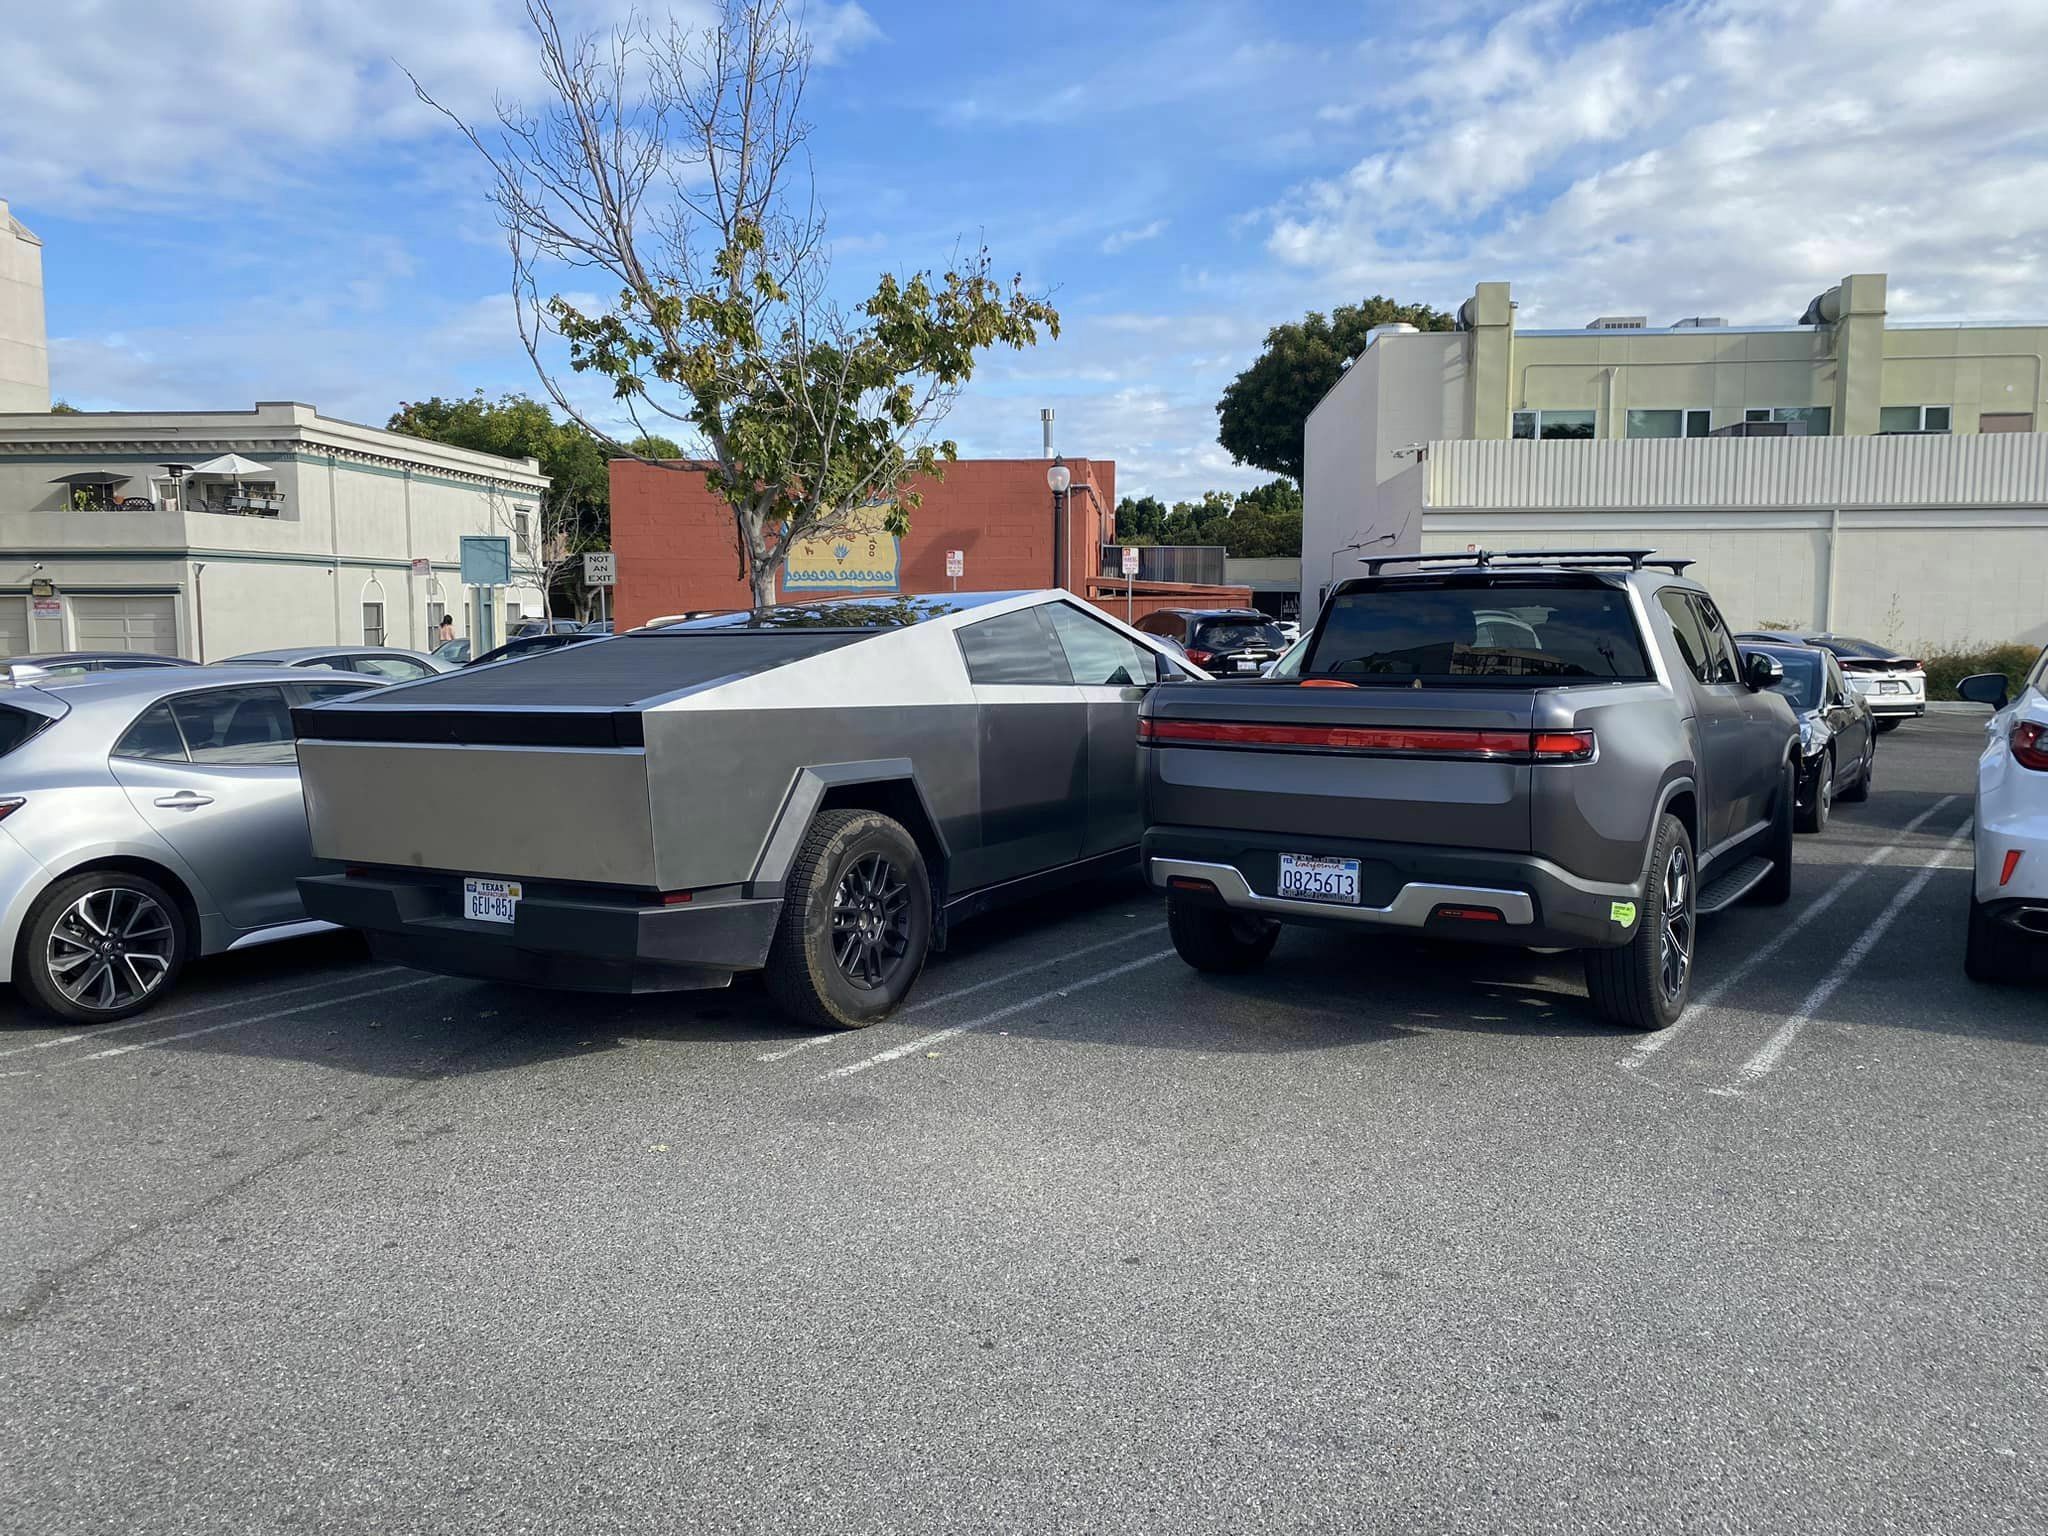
856, 922
1217, 940
1642, 985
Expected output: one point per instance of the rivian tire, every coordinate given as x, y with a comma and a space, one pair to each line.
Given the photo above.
1775, 889
1992, 952
100, 946
1644, 984
1822, 804
1218, 940
856, 922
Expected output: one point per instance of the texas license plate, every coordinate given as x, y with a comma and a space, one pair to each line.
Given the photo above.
1311, 877
490, 901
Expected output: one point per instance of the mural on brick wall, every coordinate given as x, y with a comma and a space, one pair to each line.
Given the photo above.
862, 556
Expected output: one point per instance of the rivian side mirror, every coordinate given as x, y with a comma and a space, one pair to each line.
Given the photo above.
1761, 671
1985, 688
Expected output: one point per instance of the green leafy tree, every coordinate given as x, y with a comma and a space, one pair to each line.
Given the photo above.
1139, 519
652, 445
1262, 523
670, 163
65, 408
1264, 409
573, 518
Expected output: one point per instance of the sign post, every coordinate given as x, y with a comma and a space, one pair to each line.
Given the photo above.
956, 565
601, 570
1130, 575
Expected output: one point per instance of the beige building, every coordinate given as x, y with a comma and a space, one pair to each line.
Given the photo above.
332, 532
24, 344
1877, 478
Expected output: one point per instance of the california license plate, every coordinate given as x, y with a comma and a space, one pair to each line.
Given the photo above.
1245, 664
490, 901
1891, 687
1311, 877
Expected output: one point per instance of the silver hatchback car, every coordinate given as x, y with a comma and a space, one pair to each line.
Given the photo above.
147, 817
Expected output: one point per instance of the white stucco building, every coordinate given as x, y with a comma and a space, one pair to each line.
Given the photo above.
346, 533
1874, 478
24, 343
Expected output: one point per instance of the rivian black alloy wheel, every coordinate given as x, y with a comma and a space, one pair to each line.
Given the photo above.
1218, 940
856, 922
1644, 983
101, 945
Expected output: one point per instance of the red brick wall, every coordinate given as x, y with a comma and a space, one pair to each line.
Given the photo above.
676, 550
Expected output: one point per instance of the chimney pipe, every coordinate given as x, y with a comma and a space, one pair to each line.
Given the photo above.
1045, 421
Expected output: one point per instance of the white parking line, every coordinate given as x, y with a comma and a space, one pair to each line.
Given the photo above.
102, 1031
979, 986
926, 1042
1772, 1051
1649, 1045
261, 1018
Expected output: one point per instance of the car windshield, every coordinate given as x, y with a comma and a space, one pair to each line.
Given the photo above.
1464, 632
1802, 680
1236, 635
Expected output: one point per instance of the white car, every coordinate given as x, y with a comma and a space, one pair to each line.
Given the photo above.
2009, 903
1894, 686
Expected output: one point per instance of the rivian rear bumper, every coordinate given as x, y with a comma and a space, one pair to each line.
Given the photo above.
1439, 892
576, 940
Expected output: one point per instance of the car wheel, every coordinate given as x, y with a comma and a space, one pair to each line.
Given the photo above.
1775, 889
856, 922
102, 945
1644, 983
1993, 952
1821, 804
1218, 940
1889, 725
1859, 792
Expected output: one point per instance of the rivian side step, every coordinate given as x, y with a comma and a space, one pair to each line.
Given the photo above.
1724, 890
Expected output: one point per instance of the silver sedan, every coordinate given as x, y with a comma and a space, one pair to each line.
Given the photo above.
147, 817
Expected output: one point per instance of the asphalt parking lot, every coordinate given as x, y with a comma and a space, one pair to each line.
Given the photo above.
1385, 1238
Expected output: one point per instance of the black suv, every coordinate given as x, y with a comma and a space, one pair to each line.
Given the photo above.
1221, 641
1555, 749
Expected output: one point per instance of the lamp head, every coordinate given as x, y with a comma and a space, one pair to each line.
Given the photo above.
1058, 476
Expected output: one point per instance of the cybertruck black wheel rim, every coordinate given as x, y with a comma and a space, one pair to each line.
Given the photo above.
1675, 943
871, 921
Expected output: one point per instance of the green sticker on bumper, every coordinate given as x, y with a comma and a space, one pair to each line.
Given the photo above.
1623, 912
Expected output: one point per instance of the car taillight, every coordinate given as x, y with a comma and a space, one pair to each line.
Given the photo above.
2029, 749
1200, 658
11, 804
1382, 740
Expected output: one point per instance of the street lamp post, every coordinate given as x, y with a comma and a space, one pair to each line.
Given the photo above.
1059, 478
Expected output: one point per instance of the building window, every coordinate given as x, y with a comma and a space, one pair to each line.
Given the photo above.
1913, 418
1551, 426
434, 611
373, 623
522, 523
1814, 417
1672, 423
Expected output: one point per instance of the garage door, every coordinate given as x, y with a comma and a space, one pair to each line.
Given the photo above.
13, 627
125, 624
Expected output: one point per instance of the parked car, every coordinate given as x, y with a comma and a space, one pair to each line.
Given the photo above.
1894, 685
79, 663
817, 790
597, 627
530, 645
149, 816
391, 662
451, 653
1221, 641
1837, 737
524, 627
1594, 775
2009, 897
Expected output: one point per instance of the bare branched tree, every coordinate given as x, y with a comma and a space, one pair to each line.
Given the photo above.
668, 167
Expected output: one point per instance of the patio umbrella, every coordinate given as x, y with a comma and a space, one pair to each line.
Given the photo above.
92, 477
232, 464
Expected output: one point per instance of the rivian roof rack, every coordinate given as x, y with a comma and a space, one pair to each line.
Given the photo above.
1483, 559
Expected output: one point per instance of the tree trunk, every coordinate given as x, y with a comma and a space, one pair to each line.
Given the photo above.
760, 563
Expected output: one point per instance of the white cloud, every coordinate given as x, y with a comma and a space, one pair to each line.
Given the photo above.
1726, 156
1124, 239
838, 30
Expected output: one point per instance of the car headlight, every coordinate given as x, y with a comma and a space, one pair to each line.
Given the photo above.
1808, 738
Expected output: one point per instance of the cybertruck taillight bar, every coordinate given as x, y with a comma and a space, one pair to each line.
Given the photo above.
1375, 740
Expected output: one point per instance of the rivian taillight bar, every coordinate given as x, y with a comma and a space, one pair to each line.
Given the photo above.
1378, 740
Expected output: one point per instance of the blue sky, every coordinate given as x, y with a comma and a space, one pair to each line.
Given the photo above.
241, 199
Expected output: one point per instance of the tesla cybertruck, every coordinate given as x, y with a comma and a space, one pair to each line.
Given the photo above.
814, 790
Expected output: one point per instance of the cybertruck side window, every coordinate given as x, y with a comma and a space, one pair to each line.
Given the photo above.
1097, 654
1014, 648
153, 735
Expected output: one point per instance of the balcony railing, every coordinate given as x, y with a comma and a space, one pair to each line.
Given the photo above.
1195, 564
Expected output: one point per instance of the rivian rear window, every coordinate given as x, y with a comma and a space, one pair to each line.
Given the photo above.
1491, 633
